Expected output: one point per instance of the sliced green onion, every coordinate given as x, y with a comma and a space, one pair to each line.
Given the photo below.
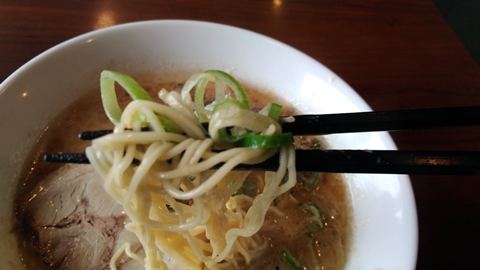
262, 141
238, 90
220, 90
199, 98
168, 124
220, 78
272, 110
200, 82
239, 131
318, 220
275, 202
109, 97
275, 111
110, 102
233, 134
322, 208
230, 102
227, 137
236, 134
310, 260
316, 178
310, 181
289, 258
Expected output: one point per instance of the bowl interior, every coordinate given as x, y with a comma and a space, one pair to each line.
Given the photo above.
384, 215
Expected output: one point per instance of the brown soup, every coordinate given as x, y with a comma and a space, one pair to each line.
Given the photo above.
61, 226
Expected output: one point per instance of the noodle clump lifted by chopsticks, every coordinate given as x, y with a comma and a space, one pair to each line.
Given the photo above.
176, 204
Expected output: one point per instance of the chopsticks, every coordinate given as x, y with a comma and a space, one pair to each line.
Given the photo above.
384, 121
324, 124
353, 161
362, 161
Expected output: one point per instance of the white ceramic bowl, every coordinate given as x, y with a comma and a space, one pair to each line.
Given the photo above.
384, 213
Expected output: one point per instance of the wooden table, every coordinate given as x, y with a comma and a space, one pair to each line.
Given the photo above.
395, 54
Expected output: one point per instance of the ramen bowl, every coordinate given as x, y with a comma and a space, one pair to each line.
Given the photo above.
383, 222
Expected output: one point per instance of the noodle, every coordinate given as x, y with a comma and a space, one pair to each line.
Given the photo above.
176, 206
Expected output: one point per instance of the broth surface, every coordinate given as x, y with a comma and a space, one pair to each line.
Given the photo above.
66, 220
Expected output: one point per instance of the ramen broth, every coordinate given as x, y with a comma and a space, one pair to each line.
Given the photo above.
66, 221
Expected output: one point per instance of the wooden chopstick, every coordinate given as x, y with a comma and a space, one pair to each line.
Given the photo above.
355, 161
367, 121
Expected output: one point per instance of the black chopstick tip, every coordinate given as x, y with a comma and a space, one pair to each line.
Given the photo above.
94, 134
79, 158
91, 135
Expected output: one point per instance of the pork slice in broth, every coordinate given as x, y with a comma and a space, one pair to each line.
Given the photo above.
73, 222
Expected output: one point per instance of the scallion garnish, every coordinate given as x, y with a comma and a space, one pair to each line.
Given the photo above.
289, 258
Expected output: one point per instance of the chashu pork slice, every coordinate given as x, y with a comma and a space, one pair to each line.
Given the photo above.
74, 223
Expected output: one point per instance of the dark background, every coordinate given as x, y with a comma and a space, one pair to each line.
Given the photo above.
464, 18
